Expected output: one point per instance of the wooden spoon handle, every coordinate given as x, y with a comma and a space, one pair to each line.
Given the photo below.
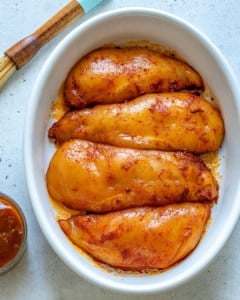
23, 51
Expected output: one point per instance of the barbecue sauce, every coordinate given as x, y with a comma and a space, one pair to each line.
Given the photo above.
11, 231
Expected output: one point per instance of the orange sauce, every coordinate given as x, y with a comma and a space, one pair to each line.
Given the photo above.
58, 107
60, 211
148, 45
11, 231
212, 161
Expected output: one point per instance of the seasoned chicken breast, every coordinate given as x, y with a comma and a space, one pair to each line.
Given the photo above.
114, 75
140, 238
101, 178
168, 122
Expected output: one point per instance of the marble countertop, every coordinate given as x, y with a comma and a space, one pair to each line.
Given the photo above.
41, 274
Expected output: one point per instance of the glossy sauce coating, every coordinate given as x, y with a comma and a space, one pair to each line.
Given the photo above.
11, 231
100, 178
167, 122
114, 75
140, 238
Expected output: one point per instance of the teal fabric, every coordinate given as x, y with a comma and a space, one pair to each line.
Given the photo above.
88, 4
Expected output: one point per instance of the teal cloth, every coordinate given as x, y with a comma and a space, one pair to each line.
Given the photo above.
87, 5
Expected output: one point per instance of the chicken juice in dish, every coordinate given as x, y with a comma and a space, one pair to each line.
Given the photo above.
128, 154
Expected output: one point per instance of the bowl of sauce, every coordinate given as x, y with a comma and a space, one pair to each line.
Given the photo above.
13, 233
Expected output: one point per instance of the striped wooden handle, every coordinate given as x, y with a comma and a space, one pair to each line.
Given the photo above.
23, 51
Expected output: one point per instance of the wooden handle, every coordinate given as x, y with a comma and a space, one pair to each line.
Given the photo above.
23, 51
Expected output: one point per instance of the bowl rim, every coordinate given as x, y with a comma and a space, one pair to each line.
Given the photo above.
29, 133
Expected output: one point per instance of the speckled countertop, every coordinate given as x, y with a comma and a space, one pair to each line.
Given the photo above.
41, 274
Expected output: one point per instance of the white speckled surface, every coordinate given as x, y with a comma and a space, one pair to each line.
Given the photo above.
41, 274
